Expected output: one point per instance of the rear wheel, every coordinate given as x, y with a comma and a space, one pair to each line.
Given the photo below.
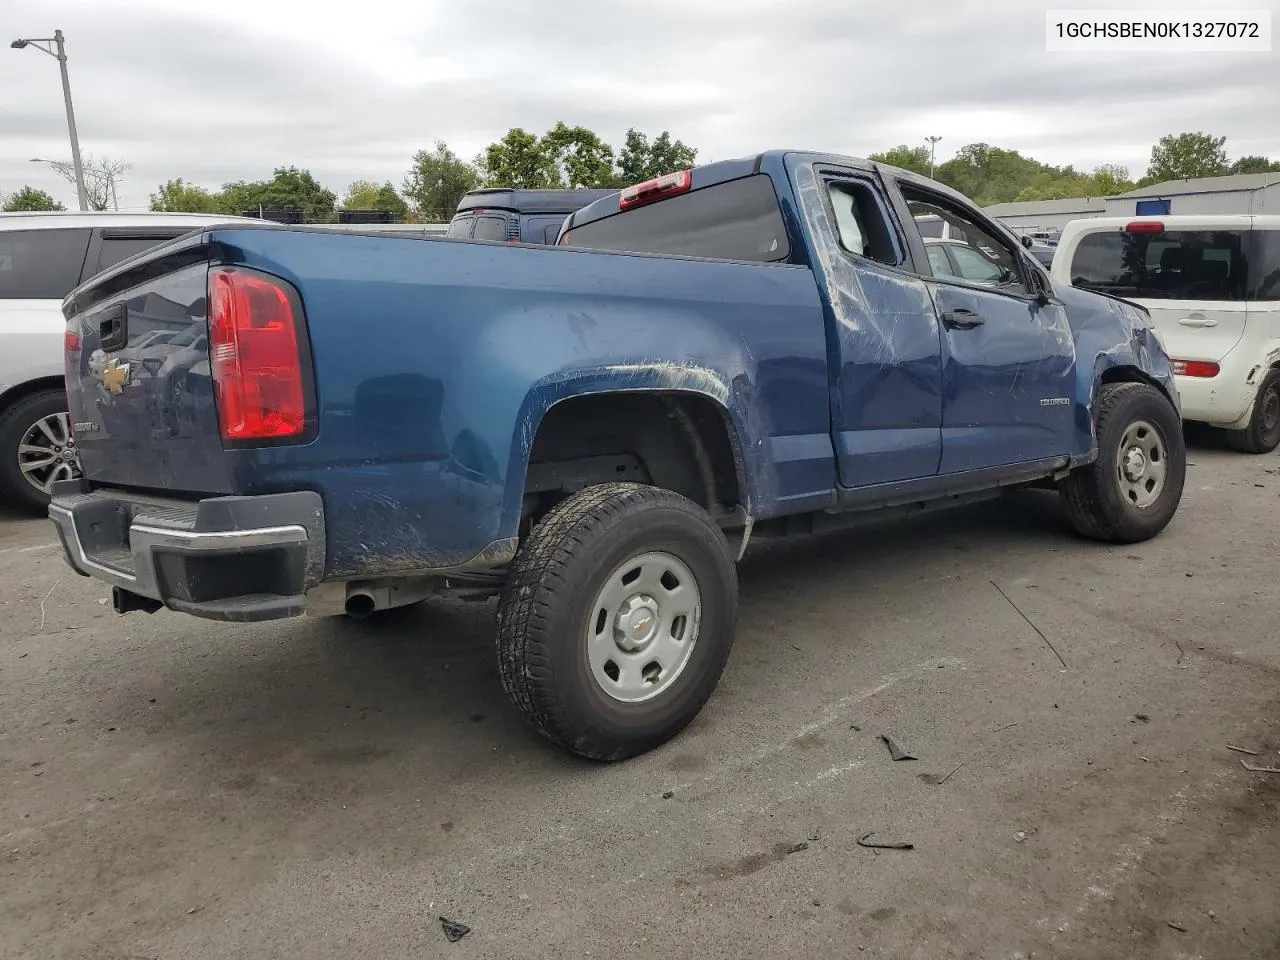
1131, 492
617, 619
1262, 435
37, 449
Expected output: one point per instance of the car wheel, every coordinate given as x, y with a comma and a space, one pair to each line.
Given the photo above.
617, 619
1262, 435
1131, 492
37, 449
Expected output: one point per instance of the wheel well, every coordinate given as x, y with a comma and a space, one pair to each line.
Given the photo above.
1126, 374
678, 441
24, 390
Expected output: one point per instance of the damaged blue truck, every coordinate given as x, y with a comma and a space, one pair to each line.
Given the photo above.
275, 421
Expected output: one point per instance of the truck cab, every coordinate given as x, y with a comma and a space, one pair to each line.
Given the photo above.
517, 216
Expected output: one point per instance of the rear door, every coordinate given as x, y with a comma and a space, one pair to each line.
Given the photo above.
1194, 282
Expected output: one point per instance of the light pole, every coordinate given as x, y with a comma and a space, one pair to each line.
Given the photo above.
59, 53
933, 143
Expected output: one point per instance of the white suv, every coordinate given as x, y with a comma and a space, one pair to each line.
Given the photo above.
43, 257
1212, 285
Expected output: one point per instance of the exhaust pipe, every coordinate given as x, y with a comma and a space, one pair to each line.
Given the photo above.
365, 597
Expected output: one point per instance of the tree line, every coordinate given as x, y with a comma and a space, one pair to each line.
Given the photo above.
567, 157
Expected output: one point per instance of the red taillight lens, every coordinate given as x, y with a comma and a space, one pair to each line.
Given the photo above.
71, 342
1145, 226
658, 188
1195, 368
255, 357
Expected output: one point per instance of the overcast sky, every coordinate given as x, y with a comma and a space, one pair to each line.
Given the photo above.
218, 90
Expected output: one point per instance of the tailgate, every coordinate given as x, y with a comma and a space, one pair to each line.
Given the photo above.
139, 384
1197, 330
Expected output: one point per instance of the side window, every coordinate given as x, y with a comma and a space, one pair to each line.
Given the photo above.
1264, 265
861, 221
550, 234
938, 260
41, 264
982, 257
116, 249
490, 228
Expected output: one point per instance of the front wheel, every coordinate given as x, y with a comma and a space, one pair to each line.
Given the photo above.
1131, 492
1262, 435
37, 449
617, 619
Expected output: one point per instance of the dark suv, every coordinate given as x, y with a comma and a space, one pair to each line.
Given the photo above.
518, 216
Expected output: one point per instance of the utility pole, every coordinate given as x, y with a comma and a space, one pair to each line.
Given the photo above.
59, 53
933, 143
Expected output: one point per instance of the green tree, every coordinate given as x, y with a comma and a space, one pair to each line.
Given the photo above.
367, 195
1255, 164
1109, 180
176, 196
29, 199
1185, 155
990, 174
522, 160
640, 160
583, 158
289, 187
437, 181
915, 159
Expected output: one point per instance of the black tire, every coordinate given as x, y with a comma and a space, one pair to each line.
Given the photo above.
1262, 435
1094, 495
15, 422
546, 609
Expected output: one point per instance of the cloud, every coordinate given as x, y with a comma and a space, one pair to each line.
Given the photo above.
222, 92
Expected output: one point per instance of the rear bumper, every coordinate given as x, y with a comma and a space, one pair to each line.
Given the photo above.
1225, 399
226, 558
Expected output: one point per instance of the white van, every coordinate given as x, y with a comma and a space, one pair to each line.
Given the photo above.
43, 257
1212, 285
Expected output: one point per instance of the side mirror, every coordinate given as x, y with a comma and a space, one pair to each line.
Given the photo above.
1026, 241
1041, 287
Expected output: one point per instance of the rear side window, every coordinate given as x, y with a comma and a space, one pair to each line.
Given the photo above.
735, 220
1173, 265
490, 228
41, 264
460, 227
116, 249
1264, 265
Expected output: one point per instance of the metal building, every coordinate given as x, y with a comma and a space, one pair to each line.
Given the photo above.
1244, 193
1045, 216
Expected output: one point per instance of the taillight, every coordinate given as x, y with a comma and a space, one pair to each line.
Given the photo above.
1194, 368
1145, 226
255, 354
656, 189
71, 342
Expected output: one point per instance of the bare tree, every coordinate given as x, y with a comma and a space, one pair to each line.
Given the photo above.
100, 178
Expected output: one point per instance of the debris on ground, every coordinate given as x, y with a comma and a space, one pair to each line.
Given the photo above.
1252, 753
888, 845
1177, 926
1008, 725
896, 750
668, 794
797, 847
814, 835
1141, 718
1039, 632
453, 931
936, 781
1252, 769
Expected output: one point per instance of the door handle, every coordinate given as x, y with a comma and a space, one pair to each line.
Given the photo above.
1198, 322
962, 319
113, 327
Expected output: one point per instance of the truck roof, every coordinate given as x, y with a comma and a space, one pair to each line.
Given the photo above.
724, 170
55, 219
531, 201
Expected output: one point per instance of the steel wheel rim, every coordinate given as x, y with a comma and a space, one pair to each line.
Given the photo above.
1271, 410
1142, 464
642, 627
47, 452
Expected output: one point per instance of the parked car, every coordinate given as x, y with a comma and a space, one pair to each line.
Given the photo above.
518, 216
593, 432
42, 257
1212, 287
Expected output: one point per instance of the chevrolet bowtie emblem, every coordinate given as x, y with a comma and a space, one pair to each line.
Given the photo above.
115, 376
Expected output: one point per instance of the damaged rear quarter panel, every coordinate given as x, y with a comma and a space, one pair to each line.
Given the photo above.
436, 361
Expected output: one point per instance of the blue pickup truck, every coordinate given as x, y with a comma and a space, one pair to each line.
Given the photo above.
275, 420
